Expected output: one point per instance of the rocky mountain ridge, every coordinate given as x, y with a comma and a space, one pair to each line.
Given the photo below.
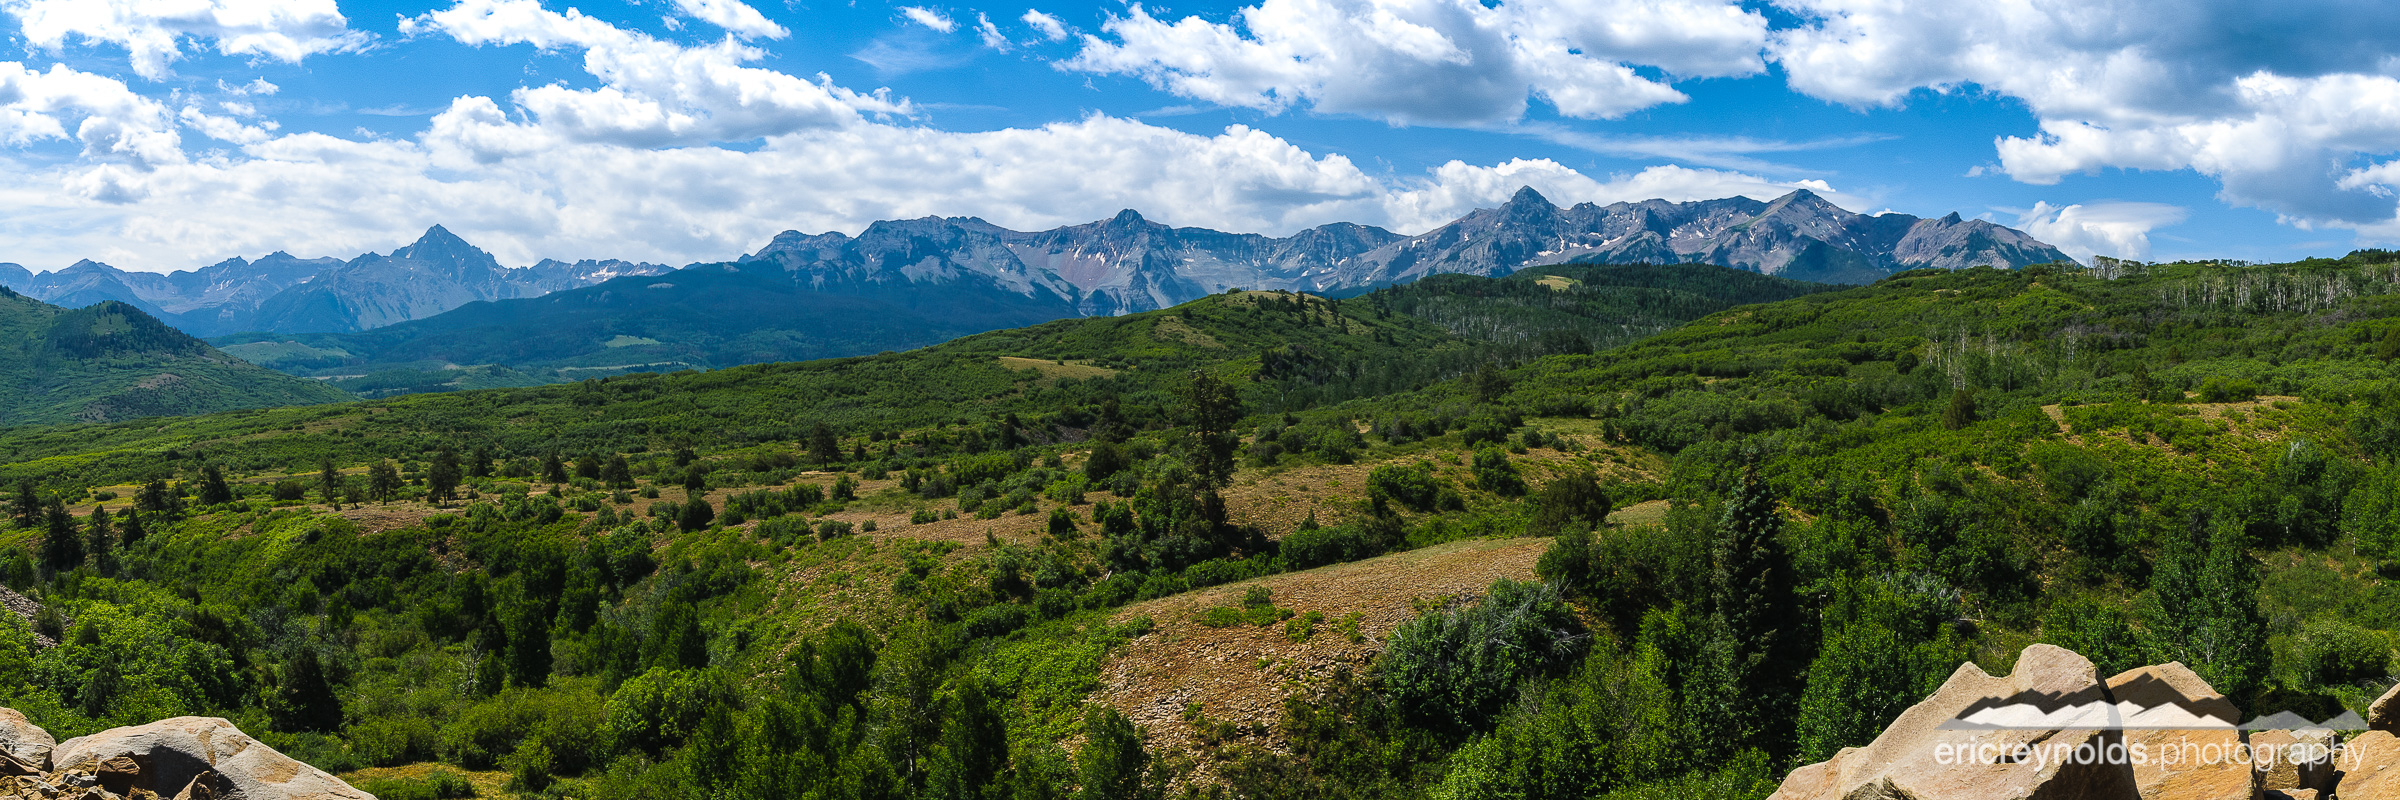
1128, 263
283, 293
1114, 266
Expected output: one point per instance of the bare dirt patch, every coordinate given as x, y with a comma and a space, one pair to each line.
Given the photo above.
1054, 370
1242, 674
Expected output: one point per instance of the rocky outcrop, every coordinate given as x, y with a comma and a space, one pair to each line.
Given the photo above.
2053, 731
185, 758
2384, 713
1921, 755
23, 739
2303, 762
2370, 767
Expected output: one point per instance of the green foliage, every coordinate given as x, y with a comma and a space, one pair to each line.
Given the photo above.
2203, 606
2333, 652
440, 784
1493, 473
1571, 500
1454, 667
1412, 486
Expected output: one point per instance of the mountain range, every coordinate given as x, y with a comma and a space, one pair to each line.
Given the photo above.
442, 314
109, 361
287, 294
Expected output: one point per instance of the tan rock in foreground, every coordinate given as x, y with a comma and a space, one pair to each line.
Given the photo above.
2158, 778
2370, 767
1915, 759
171, 753
25, 740
2303, 760
2384, 713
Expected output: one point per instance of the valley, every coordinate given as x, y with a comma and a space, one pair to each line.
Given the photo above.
1579, 531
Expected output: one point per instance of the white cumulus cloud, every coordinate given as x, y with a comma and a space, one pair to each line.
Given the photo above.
734, 16
656, 93
626, 169
1048, 26
2083, 230
929, 18
1433, 62
2278, 102
152, 30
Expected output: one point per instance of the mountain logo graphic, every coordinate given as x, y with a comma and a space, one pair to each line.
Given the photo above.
2150, 705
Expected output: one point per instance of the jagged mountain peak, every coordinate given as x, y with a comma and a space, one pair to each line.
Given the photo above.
1127, 217
440, 246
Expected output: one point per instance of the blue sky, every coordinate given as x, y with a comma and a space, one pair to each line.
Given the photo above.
163, 136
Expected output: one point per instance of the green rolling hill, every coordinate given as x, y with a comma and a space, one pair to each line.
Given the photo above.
109, 362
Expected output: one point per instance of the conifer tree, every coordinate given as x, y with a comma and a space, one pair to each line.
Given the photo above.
133, 533
618, 474
383, 481
329, 483
62, 548
822, 445
1961, 411
441, 476
1757, 611
213, 488
27, 507
100, 540
1210, 410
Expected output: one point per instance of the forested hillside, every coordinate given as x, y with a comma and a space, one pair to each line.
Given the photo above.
1217, 550
109, 361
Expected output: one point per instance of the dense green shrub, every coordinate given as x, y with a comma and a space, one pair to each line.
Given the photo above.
1457, 666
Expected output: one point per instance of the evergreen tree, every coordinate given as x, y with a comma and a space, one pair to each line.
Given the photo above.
383, 481
213, 488
27, 506
822, 445
588, 467
62, 548
695, 481
134, 533
528, 651
1961, 411
618, 474
441, 476
153, 497
479, 463
100, 540
2203, 607
305, 699
554, 471
330, 483
1572, 499
1210, 410
1757, 611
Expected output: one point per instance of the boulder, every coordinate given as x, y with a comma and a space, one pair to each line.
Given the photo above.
25, 740
2174, 769
2384, 714
2301, 759
199, 757
1917, 757
2370, 767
